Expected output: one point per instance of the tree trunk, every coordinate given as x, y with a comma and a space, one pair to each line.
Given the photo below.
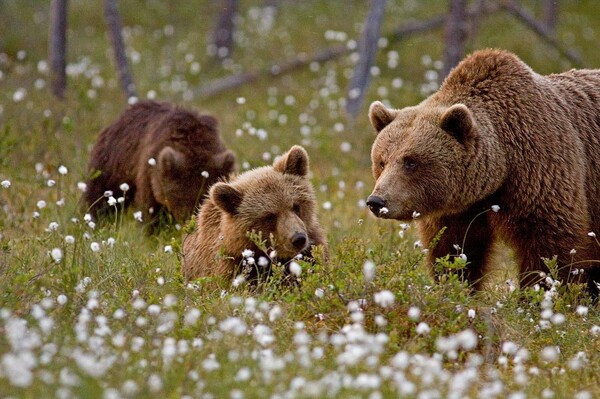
367, 50
541, 30
113, 21
57, 49
223, 33
455, 35
550, 15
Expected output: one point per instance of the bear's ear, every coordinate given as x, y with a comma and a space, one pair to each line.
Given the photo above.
226, 161
458, 122
380, 115
209, 121
226, 197
294, 162
170, 160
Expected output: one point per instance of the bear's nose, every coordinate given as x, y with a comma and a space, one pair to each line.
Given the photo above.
299, 240
375, 204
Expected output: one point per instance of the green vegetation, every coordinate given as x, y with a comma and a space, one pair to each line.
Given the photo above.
102, 310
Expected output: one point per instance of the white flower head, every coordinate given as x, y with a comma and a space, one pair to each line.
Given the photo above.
112, 201
57, 254
384, 298
414, 313
62, 169
423, 328
5, 183
204, 174
369, 271
137, 216
124, 187
295, 269
495, 208
152, 162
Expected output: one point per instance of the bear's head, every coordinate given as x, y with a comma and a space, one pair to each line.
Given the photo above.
276, 201
190, 159
432, 159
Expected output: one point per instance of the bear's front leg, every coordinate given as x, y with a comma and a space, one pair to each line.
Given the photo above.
470, 232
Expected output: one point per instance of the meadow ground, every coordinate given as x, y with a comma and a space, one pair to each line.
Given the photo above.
102, 310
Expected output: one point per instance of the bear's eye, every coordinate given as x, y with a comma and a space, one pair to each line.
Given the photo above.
270, 218
381, 165
410, 164
296, 209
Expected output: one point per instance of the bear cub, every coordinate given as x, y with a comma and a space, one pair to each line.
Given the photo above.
168, 156
278, 202
498, 153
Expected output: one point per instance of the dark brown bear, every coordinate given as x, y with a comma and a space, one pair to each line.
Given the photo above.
168, 156
497, 133
277, 201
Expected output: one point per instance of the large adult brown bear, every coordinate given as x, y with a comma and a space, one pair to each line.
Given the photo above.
497, 133
169, 157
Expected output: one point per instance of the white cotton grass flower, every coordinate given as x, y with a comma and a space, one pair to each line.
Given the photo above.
57, 254
549, 353
239, 280
495, 208
471, 313
592, 234
61, 299
137, 216
368, 271
414, 313
582, 310
168, 249
95, 247
295, 269
152, 162
204, 174
5, 183
41, 204
62, 169
422, 328
112, 201
509, 348
81, 186
327, 205
191, 316
384, 298
124, 187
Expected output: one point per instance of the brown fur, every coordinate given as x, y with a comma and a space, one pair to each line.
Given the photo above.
497, 133
276, 201
183, 144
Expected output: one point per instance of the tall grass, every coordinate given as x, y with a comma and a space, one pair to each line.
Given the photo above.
99, 309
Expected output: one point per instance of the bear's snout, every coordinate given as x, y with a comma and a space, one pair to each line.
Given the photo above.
376, 205
299, 241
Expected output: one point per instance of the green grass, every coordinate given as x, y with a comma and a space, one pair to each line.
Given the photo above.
121, 322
